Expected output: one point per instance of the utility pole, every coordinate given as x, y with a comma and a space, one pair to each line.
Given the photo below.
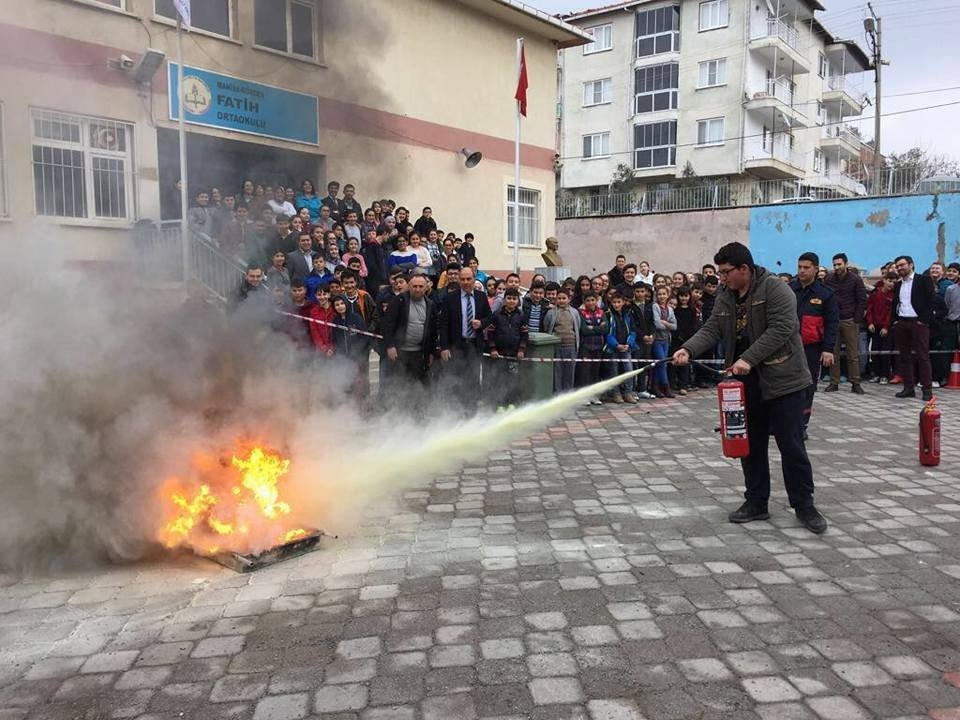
872, 25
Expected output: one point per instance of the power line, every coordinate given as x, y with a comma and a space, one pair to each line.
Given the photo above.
755, 135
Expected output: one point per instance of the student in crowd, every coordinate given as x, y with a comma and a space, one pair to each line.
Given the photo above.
507, 337
621, 343
593, 331
535, 307
664, 323
687, 326
563, 322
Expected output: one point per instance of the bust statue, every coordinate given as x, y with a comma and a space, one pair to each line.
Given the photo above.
551, 257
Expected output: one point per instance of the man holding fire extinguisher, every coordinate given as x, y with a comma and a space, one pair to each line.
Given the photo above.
755, 316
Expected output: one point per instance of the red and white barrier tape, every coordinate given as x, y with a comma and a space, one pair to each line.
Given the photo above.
351, 330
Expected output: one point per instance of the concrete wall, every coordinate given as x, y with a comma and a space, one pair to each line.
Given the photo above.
871, 232
668, 241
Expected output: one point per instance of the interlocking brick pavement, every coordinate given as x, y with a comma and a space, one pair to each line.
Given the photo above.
586, 572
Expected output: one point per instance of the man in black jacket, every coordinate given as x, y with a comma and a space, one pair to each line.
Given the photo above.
851, 295
463, 315
409, 331
375, 256
914, 298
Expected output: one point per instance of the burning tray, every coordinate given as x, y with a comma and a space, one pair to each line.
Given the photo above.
241, 563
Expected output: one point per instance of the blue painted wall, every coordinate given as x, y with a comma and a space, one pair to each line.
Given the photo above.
870, 231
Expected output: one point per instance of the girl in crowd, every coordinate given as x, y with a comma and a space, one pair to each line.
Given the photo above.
308, 199
424, 259
687, 326
583, 287
353, 251
664, 322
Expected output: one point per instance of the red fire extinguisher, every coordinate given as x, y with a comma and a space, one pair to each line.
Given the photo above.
732, 397
930, 434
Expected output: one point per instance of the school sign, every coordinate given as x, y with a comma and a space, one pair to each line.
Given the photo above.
222, 101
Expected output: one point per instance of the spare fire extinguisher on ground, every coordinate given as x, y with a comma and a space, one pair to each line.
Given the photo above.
732, 397
930, 434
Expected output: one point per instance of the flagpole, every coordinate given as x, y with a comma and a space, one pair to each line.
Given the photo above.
516, 173
182, 129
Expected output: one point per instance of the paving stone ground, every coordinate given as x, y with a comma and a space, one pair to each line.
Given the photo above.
586, 573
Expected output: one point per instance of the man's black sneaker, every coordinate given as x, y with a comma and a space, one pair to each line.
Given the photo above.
832, 387
927, 394
748, 512
856, 389
906, 393
812, 520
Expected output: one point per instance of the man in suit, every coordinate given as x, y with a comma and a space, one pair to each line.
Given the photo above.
463, 316
300, 261
914, 299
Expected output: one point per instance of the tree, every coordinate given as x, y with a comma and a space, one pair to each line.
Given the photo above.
919, 164
623, 180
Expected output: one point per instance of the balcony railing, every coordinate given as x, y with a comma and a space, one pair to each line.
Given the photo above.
778, 29
717, 193
775, 150
780, 89
845, 133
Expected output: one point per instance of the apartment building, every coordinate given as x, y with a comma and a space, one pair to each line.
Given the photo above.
734, 89
277, 91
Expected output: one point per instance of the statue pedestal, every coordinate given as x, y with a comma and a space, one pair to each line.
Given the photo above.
553, 274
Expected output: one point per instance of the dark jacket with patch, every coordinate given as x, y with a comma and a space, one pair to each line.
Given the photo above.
818, 313
773, 330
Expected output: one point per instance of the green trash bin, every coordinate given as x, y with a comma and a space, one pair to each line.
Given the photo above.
537, 378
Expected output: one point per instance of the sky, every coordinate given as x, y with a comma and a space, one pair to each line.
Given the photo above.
920, 40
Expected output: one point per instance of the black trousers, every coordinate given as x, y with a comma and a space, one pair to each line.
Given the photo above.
781, 417
463, 373
813, 362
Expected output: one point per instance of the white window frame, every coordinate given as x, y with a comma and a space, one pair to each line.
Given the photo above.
312, 4
606, 92
673, 146
719, 71
593, 48
533, 241
601, 138
672, 92
231, 21
4, 208
703, 139
823, 65
90, 154
818, 161
718, 15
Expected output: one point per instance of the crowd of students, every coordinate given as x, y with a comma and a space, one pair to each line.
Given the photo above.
371, 278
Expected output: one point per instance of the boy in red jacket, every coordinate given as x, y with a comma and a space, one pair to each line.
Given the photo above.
879, 317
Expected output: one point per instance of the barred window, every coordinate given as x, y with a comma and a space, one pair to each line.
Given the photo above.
655, 144
82, 166
529, 217
656, 87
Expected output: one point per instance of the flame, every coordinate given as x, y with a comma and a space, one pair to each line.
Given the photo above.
234, 506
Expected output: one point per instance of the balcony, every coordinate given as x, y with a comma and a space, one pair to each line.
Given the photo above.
847, 94
775, 41
839, 183
778, 95
843, 139
772, 159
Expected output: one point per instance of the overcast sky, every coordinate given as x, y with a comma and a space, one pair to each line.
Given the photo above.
921, 39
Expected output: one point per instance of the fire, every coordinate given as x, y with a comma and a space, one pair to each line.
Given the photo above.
235, 506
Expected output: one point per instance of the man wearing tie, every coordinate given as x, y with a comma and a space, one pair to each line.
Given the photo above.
464, 314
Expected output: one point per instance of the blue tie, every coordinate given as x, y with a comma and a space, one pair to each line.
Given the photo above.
469, 316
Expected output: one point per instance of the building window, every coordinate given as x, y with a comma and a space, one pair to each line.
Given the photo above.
714, 14
4, 211
823, 66
112, 3
597, 92
817, 160
210, 15
713, 73
655, 144
82, 166
596, 145
602, 39
656, 87
529, 217
658, 31
285, 25
710, 132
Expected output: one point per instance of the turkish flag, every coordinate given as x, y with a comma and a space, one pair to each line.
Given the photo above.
521, 95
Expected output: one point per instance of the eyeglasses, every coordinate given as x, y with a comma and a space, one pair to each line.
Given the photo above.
724, 272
